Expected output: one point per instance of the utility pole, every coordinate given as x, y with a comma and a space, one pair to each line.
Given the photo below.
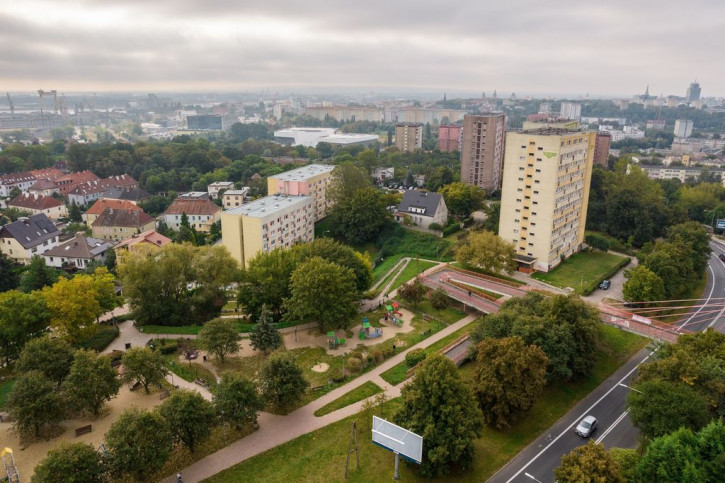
352, 448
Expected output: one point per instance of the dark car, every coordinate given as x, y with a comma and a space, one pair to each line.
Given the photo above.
605, 284
722, 257
586, 427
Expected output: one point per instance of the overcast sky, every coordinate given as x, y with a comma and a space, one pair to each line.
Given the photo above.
608, 47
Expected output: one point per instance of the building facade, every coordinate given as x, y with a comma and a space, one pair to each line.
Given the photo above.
234, 198
409, 136
78, 252
601, 148
214, 188
117, 225
422, 208
482, 150
37, 204
571, 110
23, 239
683, 128
199, 209
450, 137
312, 180
547, 173
21, 181
693, 92
276, 221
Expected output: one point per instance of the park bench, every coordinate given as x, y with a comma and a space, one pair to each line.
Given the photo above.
202, 382
83, 430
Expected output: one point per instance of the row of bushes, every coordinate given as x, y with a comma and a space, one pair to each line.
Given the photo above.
588, 289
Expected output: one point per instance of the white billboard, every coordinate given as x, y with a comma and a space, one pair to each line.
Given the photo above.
398, 440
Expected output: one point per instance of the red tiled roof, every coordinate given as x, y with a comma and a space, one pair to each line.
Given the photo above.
104, 203
101, 185
152, 236
34, 202
124, 218
50, 174
192, 207
42, 185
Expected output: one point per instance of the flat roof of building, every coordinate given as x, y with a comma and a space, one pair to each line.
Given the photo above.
349, 138
268, 205
303, 173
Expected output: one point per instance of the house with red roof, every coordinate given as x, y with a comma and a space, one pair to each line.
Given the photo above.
199, 209
37, 204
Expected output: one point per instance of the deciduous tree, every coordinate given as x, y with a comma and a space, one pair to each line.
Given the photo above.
139, 443
462, 199
487, 251
439, 299
145, 366
220, 337
91, 382
588, 463
52, 356
360, 217
412, 292
189, 415
22, 317
509, 376
281, 381
237, 400
34, 404
439, 406
9, 278
324, 292
659, 407
642, 285
71, 462
38, 275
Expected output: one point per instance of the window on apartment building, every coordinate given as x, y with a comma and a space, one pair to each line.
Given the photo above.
518, 200
536, 192
540, 148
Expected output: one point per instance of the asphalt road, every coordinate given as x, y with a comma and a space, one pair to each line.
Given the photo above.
607, 402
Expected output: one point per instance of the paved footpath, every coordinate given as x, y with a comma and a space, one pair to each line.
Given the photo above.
275, 430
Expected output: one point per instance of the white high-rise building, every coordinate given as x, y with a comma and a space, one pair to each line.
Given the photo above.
571, 110
683, 128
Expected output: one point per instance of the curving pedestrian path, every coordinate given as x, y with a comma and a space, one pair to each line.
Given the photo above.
275, 430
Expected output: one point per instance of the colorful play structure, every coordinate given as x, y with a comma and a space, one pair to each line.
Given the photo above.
366, 333
333, 342
8, 462
393, 314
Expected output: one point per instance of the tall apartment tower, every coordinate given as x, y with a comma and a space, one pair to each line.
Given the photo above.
547, 173
693, 92
449, 137
683, 128
571, 110
409, 136
482, 150
601, 148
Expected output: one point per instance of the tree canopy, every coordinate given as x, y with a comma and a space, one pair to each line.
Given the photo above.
220, 337
564, 327
139, 443
281, 381
91, 382
22, 317
237, 400
77, 462
189, 416
177, 284
144, 366
264, 336
588, 463
490, 252
462, 199
509, 376
439, 406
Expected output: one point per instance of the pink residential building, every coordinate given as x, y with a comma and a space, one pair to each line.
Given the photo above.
449, 138
312, 180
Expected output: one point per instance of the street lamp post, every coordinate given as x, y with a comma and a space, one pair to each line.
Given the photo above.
631, 388
529, 475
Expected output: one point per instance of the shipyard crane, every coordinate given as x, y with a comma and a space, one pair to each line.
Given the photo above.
12, 106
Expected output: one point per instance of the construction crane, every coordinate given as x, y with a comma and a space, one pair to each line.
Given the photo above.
12, 106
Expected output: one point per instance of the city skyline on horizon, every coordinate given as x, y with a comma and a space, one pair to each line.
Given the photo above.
558, 49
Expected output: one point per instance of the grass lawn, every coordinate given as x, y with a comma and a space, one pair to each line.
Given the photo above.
382, 268
320, 455
396, 374
189, 371
413, 268
358, 394
581, 270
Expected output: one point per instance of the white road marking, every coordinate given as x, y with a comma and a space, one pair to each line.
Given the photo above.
610, 428
576, 421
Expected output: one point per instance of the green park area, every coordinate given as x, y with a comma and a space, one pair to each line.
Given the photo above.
361, 392
584, 271
321, 455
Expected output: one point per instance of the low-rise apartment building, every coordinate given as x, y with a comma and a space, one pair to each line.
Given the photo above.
199, 209
23, 239
275, 221
37, 204
312, 180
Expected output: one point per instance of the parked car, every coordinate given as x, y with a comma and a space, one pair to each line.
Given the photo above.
586, 426
605, 284
722, 257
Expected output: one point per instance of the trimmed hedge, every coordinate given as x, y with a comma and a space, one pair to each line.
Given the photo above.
414, 357
449, 230
595, 285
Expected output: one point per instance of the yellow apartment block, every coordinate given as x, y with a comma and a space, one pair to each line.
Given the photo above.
275, 221
545, 193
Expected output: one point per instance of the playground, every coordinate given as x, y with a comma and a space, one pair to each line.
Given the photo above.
27, 458
394, 322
